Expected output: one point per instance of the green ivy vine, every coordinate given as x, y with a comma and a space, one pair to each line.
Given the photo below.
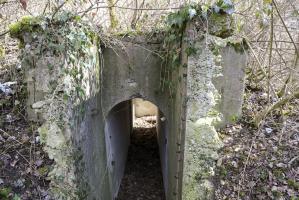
176, 25
64, 35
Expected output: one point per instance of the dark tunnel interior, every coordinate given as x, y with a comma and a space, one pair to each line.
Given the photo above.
135, 132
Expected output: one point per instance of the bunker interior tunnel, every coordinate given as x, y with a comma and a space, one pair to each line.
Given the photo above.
137, 70
136, 163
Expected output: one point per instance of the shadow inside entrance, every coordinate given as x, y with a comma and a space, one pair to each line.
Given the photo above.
143, 176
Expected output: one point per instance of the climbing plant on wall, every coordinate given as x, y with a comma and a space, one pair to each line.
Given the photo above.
64, 50
64, 35
215, 20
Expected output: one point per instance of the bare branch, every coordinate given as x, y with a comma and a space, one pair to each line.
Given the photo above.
286, 28
260, 116
4, 33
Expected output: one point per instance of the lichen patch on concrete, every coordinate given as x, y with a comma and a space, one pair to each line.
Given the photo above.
201, 139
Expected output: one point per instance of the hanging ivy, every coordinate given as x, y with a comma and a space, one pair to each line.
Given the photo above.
176, 23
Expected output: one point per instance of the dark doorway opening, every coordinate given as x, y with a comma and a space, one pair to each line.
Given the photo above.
143, 179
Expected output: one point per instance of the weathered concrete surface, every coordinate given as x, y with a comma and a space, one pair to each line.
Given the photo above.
201, 139
214, 98
162, 136
118, 127
38, 83
91, 155
70, 122
231, 84
131, 72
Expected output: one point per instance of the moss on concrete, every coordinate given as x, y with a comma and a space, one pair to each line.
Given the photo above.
202, 141
26, 24
240, 45
58, 85
221, 25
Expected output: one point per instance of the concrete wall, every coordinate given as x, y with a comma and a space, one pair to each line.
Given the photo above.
162, 136
118, 128
89, 138
214, 90
72, 126
231, 84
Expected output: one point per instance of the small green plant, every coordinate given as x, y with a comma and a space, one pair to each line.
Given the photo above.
233, 118
222, 171
293, 184
16, 197
4, 193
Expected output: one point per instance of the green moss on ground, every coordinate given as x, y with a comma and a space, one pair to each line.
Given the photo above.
4, 193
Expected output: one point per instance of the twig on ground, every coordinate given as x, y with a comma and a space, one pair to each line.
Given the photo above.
4, 33
260, 116
10, 136
247, 161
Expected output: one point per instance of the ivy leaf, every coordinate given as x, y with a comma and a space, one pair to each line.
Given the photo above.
16, 197
24, 4
192, 12
216, 9
225, 6
190, 51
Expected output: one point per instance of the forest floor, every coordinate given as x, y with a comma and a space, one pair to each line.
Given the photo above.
23, 163
263, 163
143, 176
254, 163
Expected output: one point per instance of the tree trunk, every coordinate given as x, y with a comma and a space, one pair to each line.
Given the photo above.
112, 14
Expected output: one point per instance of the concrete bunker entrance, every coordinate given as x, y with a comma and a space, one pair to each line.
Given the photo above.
76, 130
134, 72
135, 155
